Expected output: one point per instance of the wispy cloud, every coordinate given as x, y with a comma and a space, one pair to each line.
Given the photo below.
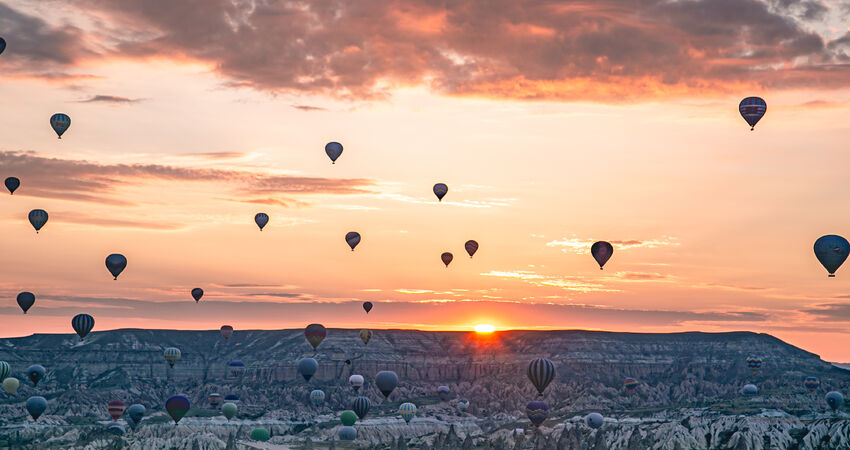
573, 284
582, 246
308, 108
113, 99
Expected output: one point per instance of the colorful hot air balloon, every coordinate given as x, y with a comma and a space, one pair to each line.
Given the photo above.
537, 412
831, 250
440, 190
352, 238
115, 408
10, 385
367, 306
197, 293
348, 418
811, 383
214, 399
594, 420
116, 429
630, 384
347, 433
2, 45
229, 410
361, 406
36, 406
471, 247
750, 389
115, 264
541, 372
26, 300
365, 336
355, 381
463, 404
752, 109
317, 397
232, 398
82, 324
386, 380
135, 414
177, 407
260, 434
35, 373
307, 367
315, 334
226, 331
407, 411
333, 150
601, 252
754, 364
12, 184
834, 400
172, 354
261, 219
447, 258
443, 392
236, 368
60, 123
5, 370
38, 217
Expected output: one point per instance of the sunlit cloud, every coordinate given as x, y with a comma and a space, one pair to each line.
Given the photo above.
582, 246
574, 284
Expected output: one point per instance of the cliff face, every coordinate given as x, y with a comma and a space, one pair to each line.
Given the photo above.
693, 376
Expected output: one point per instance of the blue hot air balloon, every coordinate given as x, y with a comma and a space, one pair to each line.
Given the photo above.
537, 412
60, 123
82, 323
236, 368
347, 433
36, 406
231, 398
361, 406
386, 380
197, 293
38, 217
831, 250
12, 184
352, 238
594, 420
116, 429
541, 372
26, 300
135, 413
307, 367
750, 389
317, 397
752, 109
407, 411
177, 407
333, 150
601, 252
116, 263
440, 190
261, 219
35, 373
2, 45
834, 400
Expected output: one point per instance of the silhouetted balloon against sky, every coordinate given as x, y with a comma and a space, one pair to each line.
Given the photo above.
226, 331
12, 184
177, 407
261, 219
36, 406
601, 252
197, 293
440, 190
352, 238
334, 150
315, 333
38, 218
752, 109
386, 380
60, 123
447, 258
831, 250
2, 45
82, 324
471, 247
307, 367
115, 264
26, 300
367, 306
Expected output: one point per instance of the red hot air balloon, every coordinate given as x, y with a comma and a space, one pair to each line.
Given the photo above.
115, 408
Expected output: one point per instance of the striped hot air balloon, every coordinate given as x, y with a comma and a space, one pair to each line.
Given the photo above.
541, 372
630, 384
361, 406
471, 247
60, 123
317, 397
5, 370
754, 364
752, 109
82, 324
214, 399
811, 383
236, 368
115, 408
172, 354
537, 412
407, 411
38, 218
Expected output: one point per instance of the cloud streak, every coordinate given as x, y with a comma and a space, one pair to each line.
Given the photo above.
582, 246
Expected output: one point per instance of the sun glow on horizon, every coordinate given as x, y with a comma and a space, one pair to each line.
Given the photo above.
484, 328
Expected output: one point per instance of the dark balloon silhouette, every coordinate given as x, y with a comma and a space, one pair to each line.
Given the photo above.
36, 373
752, 109
82, 324
26, 300
12, 184
333, 150
541, 372
750, 389
440, 190
315, 333
60, 123
135, 413
2, 45
386, 381
361, 406
831, 250
36, 406
352, 238
471, 247
115, 264
367, 306
38, 218
177, 407
834, 400
307, 367
261, 219
226, 331
447, 258
537, 412
197, 293
601, 252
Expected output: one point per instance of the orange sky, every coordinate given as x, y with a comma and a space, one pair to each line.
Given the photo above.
172, 152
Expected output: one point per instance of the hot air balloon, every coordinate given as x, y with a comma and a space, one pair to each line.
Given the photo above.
214, 399
750, 389
831, 250
116, 263
352, 238
463, 404
361, 406
60, 123
386, 380
630, 384
355, 381
115, 408
307, 367
811, 383
347, 433
365, 336
10, 385
116, 429
12, 184
82, 324
601, 252
261, 219
172, 354
2, 45
236, 368
226, 331
752, 109
333, 150
754, 364
5, 370
407, 411
35, 373
36, 406
537, 412
440, 190
594, 420
443, 392
367, 306
348, 418
229, 410
232, 398
447, 258
315, 334
177, 407
260, 434
541, 372
834, 400
197, 293
471, 247
135, 414
38, 217
26, 300
317, 397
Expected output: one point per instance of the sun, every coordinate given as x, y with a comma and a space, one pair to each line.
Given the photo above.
484, 328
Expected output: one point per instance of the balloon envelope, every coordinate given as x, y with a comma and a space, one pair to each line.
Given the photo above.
315, 333
116, 429
601, 252
36, 406
407, 411
177, 407
226, 331
752, 109
35, 373
260, 434
440, 190
37, 218
446, 258
594, 420
82, 324
60, 123
171, 354
135, 413
5, 370
471, 247
352, 238
537, 412
367, 306
630, 384
361, 406
811, 383
10, 385
261, 219
750, 389
214, 399
831, 250
834, 400
197, 293
2, 45
12, 184
232, 398
443, 392
365, 336
115, 408
229, 410
307, 367
355, 381
386, 380
236, 368
541, 372
115, 264
333, 150
26, 300
463, 404
317, 397
348, 418
347, 433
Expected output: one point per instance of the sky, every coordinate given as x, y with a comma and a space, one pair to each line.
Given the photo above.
554, 124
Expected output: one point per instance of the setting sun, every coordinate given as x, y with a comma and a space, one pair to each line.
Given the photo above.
484, 328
